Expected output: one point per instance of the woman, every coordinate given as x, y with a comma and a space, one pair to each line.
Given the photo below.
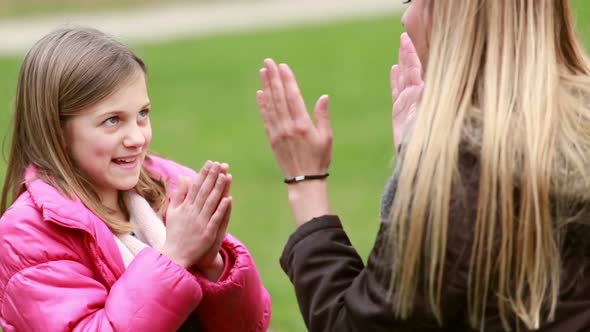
484, 221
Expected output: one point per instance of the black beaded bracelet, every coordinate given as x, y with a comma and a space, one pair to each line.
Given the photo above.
306, 177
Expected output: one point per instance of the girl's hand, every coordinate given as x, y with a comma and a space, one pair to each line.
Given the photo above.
211, 263
406, 89
196, 215
299, 146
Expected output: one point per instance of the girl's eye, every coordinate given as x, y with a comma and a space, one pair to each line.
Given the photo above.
407, 1
143, 114
111, 121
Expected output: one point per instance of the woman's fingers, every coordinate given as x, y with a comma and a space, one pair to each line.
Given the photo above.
322, 116
267, 116
299, 145
409, 55
409, 77
406, 87
414, 77
278, 91
394, 76
265, 104
295, 101
405, 46
411, 68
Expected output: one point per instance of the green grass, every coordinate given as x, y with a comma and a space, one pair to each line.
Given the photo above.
204, 108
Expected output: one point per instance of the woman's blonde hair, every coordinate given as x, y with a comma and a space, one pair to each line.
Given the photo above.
65, 72
518, 67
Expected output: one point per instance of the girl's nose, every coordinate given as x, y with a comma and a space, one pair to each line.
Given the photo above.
134, 137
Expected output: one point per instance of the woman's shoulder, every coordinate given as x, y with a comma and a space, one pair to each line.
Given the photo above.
168, 169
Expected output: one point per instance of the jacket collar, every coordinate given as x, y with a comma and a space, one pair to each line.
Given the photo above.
73, 214
66, 211
56, 207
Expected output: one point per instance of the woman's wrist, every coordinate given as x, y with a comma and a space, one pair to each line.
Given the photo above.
308, 200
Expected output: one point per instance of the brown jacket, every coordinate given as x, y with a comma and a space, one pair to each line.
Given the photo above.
337, 292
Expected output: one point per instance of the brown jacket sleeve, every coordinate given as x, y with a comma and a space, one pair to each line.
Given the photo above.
336, 292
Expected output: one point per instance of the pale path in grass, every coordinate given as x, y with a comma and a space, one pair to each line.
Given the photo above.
165, 22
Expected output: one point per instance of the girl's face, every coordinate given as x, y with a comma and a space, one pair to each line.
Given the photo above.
109, 140
417, 24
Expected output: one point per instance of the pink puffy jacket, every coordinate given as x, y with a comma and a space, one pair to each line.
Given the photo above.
61, 270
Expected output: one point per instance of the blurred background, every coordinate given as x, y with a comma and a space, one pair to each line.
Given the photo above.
203, 58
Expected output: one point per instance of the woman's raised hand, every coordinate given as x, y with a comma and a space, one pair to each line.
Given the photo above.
299, 146
198, 213
406, 88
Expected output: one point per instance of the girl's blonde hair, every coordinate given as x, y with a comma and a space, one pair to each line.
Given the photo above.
65, 72
517, 70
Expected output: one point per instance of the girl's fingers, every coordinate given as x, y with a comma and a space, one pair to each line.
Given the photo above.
208, 185
223, 168
217, 219
179, 192
196, 186
192, 192
214, 198
225, 220
228, 181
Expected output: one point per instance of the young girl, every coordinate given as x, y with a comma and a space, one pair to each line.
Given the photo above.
83, 246
485, 222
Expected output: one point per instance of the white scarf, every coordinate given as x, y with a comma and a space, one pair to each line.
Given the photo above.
147, 226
